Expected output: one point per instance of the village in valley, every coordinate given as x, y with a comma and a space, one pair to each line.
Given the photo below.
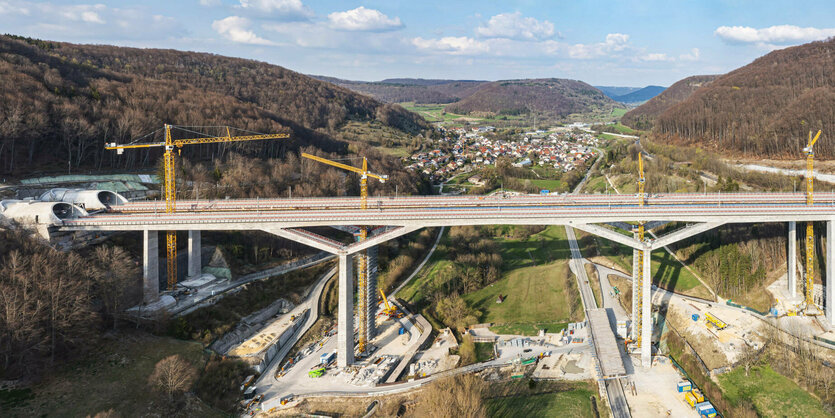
465, 149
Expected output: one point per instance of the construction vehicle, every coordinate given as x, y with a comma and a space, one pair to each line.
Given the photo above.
248, 381
170, 192
711, 319
363, 291
811, 309
389, 310
315, 373
697, 394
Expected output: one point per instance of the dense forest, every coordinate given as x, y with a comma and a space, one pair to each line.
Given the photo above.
765, 108
550, 97
399, 90
62, 102
643, 117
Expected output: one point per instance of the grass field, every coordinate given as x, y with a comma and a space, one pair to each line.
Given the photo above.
667, 272
533, 282
570, 403
618, 112
436, 113
533, 285
114, 375
772, 394
548, 184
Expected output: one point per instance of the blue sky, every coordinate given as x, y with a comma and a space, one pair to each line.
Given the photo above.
616, 42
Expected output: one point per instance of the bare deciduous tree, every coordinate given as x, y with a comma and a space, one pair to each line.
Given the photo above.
172, 375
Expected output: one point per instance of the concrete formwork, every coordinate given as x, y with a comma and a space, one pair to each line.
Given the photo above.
150, 266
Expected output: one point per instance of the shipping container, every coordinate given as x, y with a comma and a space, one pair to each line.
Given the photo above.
706, 409
690, 399
684, 387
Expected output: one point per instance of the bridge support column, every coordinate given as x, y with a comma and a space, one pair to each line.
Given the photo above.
150, 266
646, 305
829, 283
194, 262
791, 263
345, 314
636, 316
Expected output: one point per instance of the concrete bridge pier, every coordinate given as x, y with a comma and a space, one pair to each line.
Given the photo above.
829, 283
345, 314
194, 262
646, 309
150, 266
635, 314
791, 259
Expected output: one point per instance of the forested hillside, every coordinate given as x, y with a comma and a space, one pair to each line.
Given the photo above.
765, 108
552, 97
62, 102
641, 95
399, 90
643, 117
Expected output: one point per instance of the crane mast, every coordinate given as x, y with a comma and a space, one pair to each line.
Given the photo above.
810, 231
363, 291
169, 144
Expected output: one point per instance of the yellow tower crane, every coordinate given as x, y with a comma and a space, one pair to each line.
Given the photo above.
169, 143
810, 232
363, 293
637, 297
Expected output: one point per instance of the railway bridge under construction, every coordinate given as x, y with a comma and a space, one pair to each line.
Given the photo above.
607, 216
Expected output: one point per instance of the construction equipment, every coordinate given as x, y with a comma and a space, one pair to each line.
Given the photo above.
389, 310
363, 292
810, 231
317, 372
169, 143
716, 322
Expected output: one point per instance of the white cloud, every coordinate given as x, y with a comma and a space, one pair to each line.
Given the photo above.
615, 42
772, 35
209, 3
515, 26
362, 19
460, 45
87, 22
287, 9
11, 8
236, 29
655, 57
693, 55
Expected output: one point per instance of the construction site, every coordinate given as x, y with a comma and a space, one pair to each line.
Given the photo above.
377, 346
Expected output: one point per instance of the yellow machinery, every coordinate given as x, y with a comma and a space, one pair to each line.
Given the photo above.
716, 322
169, 181
810, 232
389, 310
639, 276
362, 264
